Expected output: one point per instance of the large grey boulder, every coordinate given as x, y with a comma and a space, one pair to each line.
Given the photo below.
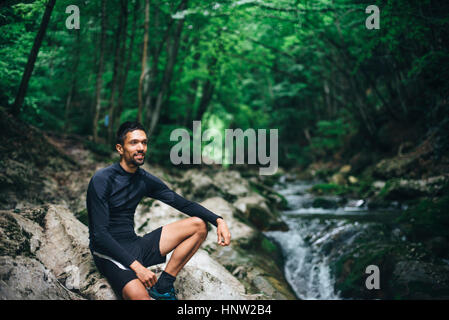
25, 278
420, 280
44, 254
50, 238
200, 184
243, 260
255, 208
202, 277
251, 257
398, 189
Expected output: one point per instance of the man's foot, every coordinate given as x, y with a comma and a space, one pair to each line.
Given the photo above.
170, 295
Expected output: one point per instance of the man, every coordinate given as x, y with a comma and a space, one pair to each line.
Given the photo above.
119, 254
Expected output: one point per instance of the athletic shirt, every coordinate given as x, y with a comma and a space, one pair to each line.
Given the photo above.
112, 197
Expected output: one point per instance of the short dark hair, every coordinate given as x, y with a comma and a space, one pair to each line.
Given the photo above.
126, 127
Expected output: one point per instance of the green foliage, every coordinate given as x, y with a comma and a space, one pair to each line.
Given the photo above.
329, 136
312, 71
159, 145
268, 246
329, 188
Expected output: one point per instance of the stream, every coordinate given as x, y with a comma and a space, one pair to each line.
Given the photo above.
316, 236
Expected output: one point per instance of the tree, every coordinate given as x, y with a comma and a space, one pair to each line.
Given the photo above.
144, 72
32, 58
99, 82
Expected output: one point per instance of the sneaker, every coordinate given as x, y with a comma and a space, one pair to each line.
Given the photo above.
171, 295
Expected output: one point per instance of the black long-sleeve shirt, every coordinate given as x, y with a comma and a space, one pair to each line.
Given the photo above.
112, 197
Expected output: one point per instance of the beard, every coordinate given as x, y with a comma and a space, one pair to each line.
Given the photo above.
137, 162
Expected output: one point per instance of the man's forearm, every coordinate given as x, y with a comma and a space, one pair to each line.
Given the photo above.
136, 265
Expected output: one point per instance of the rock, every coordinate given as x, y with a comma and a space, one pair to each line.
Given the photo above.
360, 161
258, 272
25, 278
399, 189
355, 205
51, 247
227, 259
275, 200
378, 203
65, 246
405, 147
247, 255
338, 178
256, 210
26, 158
159, 214
240, 231
345, 169
395, 167
55, 239
438, 246
420, 280
231, 184
352, 180
202, 278
197, 185
290, 177
379, 184
324, 203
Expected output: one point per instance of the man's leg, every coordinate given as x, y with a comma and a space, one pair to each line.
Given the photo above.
135, 290
185, 237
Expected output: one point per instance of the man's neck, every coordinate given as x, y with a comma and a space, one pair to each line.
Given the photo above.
128, 168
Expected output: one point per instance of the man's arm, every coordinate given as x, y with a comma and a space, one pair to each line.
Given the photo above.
160, 191
98, 210
223, 234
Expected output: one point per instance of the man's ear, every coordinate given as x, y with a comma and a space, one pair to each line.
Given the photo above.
119, 148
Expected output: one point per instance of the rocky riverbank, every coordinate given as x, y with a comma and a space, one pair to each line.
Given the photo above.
44, 238
408, 240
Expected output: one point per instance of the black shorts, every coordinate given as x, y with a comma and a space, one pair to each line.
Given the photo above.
145, 248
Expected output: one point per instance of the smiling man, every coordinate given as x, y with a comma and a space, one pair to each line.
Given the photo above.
119, 254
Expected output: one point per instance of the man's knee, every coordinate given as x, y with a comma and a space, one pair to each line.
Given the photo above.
134, 290
200, 226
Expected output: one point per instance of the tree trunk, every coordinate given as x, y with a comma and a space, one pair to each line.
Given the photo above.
144, 59
32, 58
73, 84
100, 71
327, 97
120, 42
194, 84
154, 69
124, 76
207, 93
172, 51
209, 85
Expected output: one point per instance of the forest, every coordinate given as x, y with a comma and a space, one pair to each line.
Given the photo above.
312, 69
358, 92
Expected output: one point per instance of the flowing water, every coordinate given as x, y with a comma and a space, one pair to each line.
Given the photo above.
313, 234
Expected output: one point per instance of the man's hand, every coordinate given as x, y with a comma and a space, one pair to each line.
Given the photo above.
223, 234
147, 277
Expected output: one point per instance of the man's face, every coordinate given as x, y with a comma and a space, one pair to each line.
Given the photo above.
134, 148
